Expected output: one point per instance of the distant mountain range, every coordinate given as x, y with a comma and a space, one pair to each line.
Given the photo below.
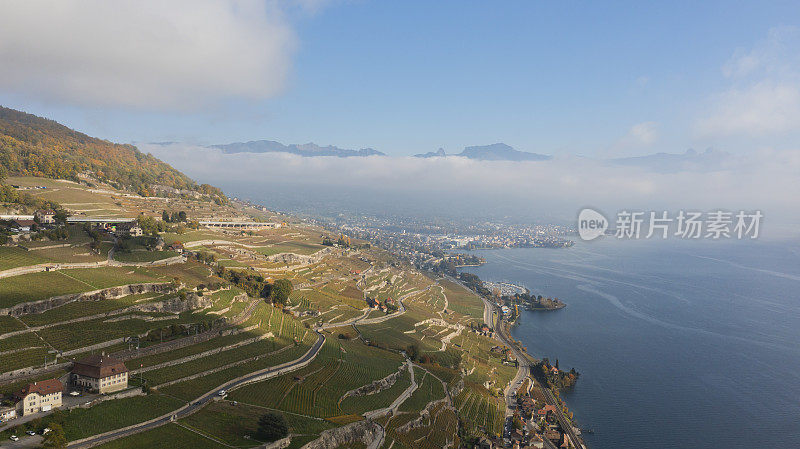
691, 160
493, 152
659, 162
306, 150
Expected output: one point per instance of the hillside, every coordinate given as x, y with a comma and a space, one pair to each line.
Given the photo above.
35, 146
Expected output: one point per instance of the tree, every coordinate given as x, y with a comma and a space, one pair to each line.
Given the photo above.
280, 291
165, 216
60, 217
182, 216
55, 438
272, 427
412, 351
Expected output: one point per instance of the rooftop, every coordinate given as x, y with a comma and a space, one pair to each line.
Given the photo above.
98, 366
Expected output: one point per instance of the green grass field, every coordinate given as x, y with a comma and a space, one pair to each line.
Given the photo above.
9, 324
341, 366
13, 257
23, 359
169, 373
36, 286
143, 256
290, 247
430, 389
462, 300
358, 405
171, 435
192, 389
230, 423
435, 431
111, 276
86, 308
185, 351
83, 422
85, 333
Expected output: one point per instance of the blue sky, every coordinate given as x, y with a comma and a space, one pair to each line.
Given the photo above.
594, 78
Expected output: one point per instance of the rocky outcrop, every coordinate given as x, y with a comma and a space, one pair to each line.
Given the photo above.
365, 431
280, 444
97, 295
176, 305
300, 259
376, 386
424, 417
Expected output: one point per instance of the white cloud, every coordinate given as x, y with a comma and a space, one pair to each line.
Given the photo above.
173, 55
555, 188
763, 97
761, 109
642, 134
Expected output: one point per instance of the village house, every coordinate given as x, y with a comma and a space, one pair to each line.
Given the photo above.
536, 442
7, 413
37, 397
129, 229
22, 225
45, 216
100, 374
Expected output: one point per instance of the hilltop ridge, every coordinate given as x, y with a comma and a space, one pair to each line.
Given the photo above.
37, 146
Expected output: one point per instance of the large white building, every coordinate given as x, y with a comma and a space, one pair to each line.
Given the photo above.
100, 373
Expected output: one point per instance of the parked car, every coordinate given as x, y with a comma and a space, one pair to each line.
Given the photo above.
222, 393
45, 430
31, 432
13, 438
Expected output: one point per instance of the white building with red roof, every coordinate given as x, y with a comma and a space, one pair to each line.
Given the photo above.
41, 396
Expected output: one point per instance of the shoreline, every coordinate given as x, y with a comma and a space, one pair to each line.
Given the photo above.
526, 364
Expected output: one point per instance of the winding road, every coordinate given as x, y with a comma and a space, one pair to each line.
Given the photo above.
198, 403
524, 368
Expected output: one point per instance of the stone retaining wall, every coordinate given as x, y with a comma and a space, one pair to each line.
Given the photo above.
96, 295
365, 431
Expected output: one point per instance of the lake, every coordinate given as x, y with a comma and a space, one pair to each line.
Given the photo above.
679, 343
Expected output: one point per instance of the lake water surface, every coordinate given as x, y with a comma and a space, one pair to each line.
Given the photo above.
679, 344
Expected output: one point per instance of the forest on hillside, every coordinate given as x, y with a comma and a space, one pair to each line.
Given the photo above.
35, 146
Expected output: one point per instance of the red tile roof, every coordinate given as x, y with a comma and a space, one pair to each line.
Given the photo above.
42, 387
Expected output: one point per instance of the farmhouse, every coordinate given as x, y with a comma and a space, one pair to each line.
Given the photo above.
38, 397
22, 225
130, 229
45, 216
100, 373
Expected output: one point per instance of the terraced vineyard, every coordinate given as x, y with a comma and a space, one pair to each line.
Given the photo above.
13, 257
316, 389
357, 405
222, 335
